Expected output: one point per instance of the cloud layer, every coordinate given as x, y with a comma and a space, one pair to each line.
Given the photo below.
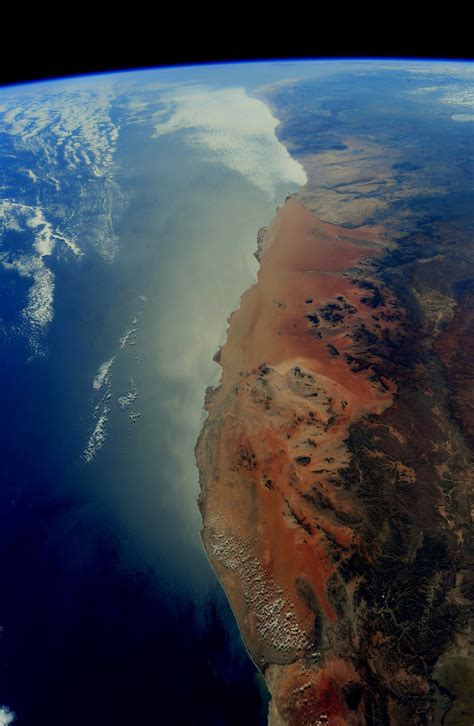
232, 128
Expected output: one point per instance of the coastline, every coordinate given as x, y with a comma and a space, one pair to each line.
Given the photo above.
335, 463
270, 342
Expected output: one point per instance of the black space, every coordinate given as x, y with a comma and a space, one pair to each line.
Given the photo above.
41, 45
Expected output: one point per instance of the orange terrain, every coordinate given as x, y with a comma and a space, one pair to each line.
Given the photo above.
277, 523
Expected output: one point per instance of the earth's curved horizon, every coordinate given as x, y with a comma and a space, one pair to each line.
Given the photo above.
335, 451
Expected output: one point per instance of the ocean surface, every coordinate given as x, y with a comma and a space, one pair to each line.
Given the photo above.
109, 610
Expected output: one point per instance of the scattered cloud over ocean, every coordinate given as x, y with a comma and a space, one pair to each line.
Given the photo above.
70, 120
232, 128
102, 394
57, 180
128, 399
101, 384
451, 92
97, 437
66, 136
127, 337
31, 262
463, 117
102, 375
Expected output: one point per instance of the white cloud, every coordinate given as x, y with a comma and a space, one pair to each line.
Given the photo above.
69, 119
6, 716
102, 375
68, 129
128, 399
38, 311
450, 94
463, 117
232, 128
97, 438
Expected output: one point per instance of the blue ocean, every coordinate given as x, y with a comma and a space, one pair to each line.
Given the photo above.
129, 218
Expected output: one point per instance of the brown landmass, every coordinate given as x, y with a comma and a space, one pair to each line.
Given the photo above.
455, 350
336, 468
